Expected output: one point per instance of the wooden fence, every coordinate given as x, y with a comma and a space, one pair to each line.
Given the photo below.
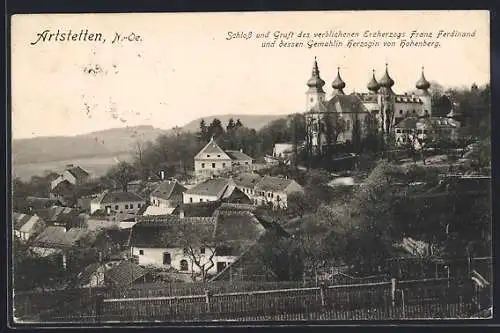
430, 298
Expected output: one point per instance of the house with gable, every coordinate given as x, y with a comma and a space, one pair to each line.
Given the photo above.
210, 190
75, 175
275, 191
212, 160
26, 226
166, 196
181, 242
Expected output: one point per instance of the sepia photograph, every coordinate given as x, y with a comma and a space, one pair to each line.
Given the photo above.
250, 167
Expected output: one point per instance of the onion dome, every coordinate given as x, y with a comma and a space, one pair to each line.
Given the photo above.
338, 84
315, 82
373, 85
386, 80
422, 83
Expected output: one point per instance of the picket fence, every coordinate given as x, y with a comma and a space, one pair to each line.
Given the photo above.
415, 299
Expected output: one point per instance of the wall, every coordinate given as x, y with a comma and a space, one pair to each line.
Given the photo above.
154, 256
197, 198
162, 203
121, 206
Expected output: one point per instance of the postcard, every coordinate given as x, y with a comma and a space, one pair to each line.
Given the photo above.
251, 166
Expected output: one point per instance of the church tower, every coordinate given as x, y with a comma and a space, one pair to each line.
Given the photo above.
315, 92
423, 92
338, 84
386, 102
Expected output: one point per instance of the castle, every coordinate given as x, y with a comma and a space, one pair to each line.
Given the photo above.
354, 111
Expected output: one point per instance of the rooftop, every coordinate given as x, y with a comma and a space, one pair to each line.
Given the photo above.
269, 183
237, 155
210, 187
125, 273
112, 197
78, 172
58, 237
248, 180
167, 189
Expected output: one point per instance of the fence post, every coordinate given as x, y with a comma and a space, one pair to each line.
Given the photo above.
393, 292
99, 301
322, 288
207, 300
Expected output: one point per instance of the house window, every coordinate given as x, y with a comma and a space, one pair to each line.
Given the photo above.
131, 206
167, 259
202, 250
213, 165
218, 155
116, 207
400, 111
202, 165
185, 251
201, 200
191, 200
184, 265
246, 163
126, 206
208, 155
223, 165
138, 205
141, 252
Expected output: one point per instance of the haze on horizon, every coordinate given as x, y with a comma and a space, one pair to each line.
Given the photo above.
185, 68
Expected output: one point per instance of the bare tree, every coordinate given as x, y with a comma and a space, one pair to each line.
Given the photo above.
199, 245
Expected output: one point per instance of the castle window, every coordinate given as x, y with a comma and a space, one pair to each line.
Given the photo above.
400, 111
213, 165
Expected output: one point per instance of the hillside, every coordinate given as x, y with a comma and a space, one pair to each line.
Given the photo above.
102, 143
108, 143
251, 121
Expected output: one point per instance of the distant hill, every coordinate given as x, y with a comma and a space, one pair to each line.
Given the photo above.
111, 142
251, 121
96, 144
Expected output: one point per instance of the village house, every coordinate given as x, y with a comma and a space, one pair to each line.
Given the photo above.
412, 130
189, 243
165, 197
54, 240
26, 226
274, 191
64, 192
75, 175
60, 216
246, 182
209, 190
117, 202
212, 160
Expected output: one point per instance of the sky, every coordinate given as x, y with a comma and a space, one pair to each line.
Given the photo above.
184, 67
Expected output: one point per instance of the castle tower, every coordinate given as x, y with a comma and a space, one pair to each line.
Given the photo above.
338, 84
423, 92
315, 93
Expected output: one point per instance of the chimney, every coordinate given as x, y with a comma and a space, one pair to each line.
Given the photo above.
162, 175
68, 166
181, 213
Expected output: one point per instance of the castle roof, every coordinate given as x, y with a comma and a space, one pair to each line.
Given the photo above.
373, 85
338, 84
386, 81
422, 83
315, 83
